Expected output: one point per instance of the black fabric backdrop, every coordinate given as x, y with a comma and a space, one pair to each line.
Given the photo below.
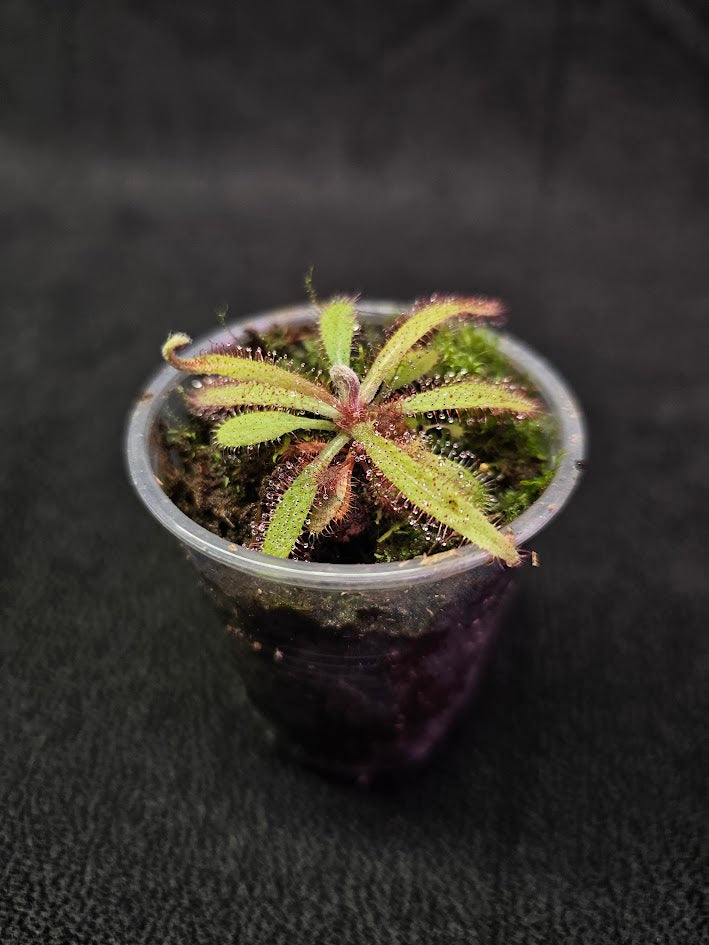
158, 160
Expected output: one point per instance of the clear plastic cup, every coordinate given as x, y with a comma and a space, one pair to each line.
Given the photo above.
356, 669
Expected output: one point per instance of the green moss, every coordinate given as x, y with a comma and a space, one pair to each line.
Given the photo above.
470, 349
224, 492
205, 482
400, 542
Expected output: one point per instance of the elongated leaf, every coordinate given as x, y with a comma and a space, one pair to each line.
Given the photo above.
415, 327
288, 519
337, 325
240, 368
432, 488
334, 496
416, 364
453, 473
259, 426
468, 395
257, 395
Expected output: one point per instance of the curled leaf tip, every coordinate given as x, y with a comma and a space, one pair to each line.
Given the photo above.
174, 342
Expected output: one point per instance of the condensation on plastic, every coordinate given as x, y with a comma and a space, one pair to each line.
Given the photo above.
359, 668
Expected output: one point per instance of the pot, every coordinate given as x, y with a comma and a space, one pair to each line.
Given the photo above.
357, 670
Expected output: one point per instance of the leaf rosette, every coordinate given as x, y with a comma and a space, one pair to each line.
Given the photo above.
254, 400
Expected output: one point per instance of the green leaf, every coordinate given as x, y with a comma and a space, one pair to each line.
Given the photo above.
254, 394
241, 368
337, 325
418, 324
259, 426
455, 475
288, 519
468, 395
451, 496
416, 364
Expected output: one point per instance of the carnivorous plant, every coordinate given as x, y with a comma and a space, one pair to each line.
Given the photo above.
357, 424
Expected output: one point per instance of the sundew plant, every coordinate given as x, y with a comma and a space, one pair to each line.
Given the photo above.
354, 425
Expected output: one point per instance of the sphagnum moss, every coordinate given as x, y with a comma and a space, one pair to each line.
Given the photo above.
398, 455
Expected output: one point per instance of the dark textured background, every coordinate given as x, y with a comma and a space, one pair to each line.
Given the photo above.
159, 159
